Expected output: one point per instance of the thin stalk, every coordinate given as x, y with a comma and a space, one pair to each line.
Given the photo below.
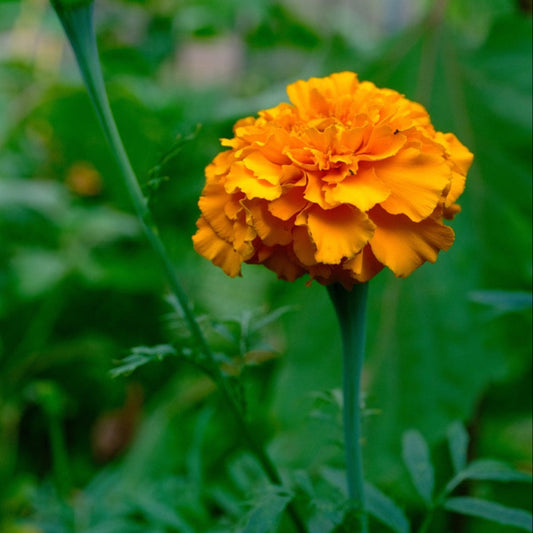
350, 307
59, 454
424, 527
439, 501
76, 18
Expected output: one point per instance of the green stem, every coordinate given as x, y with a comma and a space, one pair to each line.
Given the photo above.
439, 501
424, 528
350, 307
76, 18
59, 454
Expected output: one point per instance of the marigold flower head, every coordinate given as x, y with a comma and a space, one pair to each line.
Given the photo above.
348, 179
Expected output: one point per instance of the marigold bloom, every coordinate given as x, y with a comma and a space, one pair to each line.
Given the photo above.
348, 179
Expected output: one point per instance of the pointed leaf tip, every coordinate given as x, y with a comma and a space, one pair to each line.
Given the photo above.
492, 511
417, 458
385, 510
458, 444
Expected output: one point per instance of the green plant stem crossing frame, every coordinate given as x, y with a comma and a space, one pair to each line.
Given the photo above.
77, 21
350, 307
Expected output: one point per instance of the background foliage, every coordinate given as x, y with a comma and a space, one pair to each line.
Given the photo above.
79, 288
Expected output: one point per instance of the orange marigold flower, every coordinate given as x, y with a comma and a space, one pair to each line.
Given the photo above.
348, 179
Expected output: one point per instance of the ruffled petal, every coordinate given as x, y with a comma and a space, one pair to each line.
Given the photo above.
290, 203
269, 229
281, 261
416, 180
214, 204
338, 233
363, 190
207, 243
364, 265
382, 144
263, 168
457, 188
457, 152
303, 246
403, 245
239, 178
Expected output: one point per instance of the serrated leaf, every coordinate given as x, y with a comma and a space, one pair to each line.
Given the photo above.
416, 456
385, 510
265, 514
161, 513
494, 512
140, 356
490, 470
458, 443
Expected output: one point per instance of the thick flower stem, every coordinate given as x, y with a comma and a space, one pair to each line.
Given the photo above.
76, 18
350, 307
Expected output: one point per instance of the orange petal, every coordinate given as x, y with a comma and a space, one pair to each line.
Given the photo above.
240, 178
306, 98
283, 264
403, 245
292, 201
273, 148
350, 140
450, 211
364, 265
303, 246
416, 181
344, 82
382, 144
363, 190
338, 233
269, 229
211, 246
315, 189
219, 166
213, 204
323, 141
262, 167
456, 189
457, 152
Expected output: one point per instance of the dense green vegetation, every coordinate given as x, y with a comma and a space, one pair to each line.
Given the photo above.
97, 433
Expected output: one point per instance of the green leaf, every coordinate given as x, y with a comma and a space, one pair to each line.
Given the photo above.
490, 470
416, 456
38, 271
503, 302
265, 514
385, 510
140, 356
161, 513
490, 511
47, 198
336, 478
487, 470
458, 444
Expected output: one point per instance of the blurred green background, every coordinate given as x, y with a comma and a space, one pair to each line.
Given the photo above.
157, 450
